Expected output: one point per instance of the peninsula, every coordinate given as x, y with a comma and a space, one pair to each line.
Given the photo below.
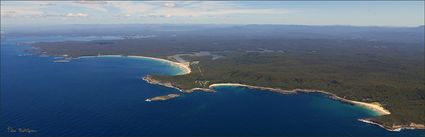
385, 74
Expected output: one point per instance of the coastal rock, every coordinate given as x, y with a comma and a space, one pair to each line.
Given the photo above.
394, 127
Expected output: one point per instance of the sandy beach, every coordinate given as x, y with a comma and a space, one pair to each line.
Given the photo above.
184, 66
373, 106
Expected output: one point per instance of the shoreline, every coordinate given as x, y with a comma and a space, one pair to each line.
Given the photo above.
182, 65
396, 128
375, 107
185, 67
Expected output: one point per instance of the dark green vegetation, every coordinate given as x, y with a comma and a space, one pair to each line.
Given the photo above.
383, 65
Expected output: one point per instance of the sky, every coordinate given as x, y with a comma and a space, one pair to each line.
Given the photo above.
356, 13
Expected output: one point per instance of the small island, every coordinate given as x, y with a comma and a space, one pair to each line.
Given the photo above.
162, 98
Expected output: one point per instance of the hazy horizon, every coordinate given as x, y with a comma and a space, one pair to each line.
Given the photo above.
329, 13
206, 24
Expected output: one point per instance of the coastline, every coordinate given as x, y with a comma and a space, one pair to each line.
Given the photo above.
376, 107
182, 65
185, 67
411, 126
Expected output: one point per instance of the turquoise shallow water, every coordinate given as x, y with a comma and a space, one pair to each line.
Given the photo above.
105, 97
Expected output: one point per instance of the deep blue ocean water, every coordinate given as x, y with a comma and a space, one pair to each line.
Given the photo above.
105, 97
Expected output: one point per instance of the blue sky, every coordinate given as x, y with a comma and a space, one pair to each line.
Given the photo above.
360, 13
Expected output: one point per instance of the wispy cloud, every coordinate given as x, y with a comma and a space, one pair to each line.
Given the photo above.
191, 9
132, 8
76, 15
91, 2
93, 5
170, 5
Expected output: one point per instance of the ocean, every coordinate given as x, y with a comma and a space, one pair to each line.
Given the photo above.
105, 96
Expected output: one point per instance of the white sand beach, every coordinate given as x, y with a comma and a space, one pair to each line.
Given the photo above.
182, 65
